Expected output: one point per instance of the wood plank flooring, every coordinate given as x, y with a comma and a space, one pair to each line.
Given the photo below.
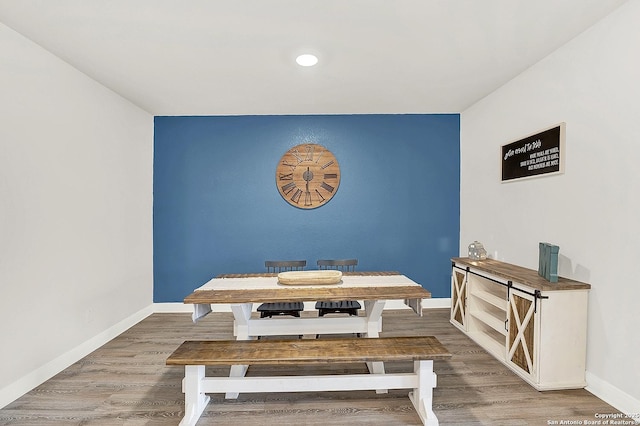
126, 382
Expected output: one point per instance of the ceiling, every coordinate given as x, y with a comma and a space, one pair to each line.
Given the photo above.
228, 57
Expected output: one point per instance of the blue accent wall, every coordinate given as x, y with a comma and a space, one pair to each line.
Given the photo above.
217, 209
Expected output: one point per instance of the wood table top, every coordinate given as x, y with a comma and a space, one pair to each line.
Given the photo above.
233, 289
306, 294
346, 273
308, 351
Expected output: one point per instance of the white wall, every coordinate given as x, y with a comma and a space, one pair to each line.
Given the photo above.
592, 211
75, 214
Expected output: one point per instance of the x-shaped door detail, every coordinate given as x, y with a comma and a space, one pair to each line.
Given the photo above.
521, 332
458, 294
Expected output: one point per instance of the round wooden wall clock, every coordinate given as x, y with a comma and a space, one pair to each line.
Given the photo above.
308, 176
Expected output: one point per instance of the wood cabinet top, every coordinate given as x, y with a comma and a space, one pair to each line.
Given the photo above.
519, 274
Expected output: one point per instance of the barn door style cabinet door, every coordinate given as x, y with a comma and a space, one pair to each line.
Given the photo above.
537, 328
521, 344
458, 297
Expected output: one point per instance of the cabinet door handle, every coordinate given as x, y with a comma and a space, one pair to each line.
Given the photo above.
506, 328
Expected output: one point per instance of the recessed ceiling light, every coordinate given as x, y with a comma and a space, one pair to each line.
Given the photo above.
307, 60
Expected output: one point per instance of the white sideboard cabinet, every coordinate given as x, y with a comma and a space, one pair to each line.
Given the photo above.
536, 328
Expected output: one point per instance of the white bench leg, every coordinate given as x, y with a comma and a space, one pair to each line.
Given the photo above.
195, 400
373, 309
422, 396
242, 315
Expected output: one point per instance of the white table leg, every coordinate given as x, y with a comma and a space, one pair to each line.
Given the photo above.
373, 310
241, 315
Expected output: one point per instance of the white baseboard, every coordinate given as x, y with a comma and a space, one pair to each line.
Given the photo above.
173, 308
625, 403
23, 385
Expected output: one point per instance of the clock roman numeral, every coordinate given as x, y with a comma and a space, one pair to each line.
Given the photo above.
324, 166
331, 176
309, 149
296, 154
307, 199
296, 196
320, 197
289, 176
327, 187
288, 187
293, 166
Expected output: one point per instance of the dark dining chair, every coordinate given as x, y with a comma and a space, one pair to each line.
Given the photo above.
350, 307
268, 310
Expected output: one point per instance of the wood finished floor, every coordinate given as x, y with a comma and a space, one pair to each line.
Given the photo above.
126, 382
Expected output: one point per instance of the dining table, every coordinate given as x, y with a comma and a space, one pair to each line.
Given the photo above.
242, 291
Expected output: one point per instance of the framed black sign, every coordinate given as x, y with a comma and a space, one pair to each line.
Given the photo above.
535, 155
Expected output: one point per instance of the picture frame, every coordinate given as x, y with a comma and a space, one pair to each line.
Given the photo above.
540, 154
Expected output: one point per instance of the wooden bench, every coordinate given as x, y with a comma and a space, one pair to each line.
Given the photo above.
195, 355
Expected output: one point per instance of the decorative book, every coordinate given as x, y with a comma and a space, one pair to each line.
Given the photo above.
548, 262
